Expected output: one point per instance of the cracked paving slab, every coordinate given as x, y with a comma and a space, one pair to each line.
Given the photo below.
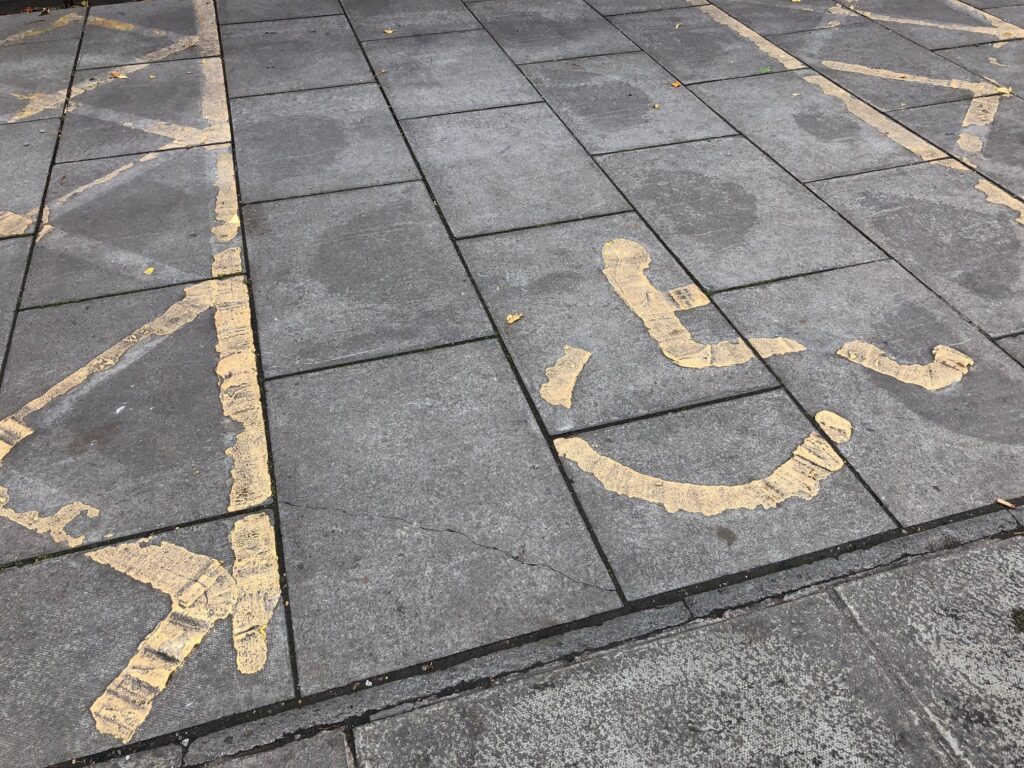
421, 505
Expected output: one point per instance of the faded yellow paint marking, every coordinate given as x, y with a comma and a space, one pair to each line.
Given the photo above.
997, 28
117, 25
206, 26
227, 262
12, 224
625, 265
258, 587
198, 298
834, 425
201, 592
947, 367
42, 28
55, 526
689, 297
240, 394
980, 114
763, 45
776, 346
877, 120
996, 196
562, 376
976, 88
800, 476
226, 208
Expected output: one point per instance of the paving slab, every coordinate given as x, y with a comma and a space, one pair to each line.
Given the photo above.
928, 454
747, 220
451, 527
70, 626
952, 628
143, 441
1014, 347
166, 105
242, 11
776, 17
447, 72
612, 7
1001, 153
138, 33
936, 23
810, 133
34, 79
50, 24
26, 150
695, 47
552, 277
793, 685
869, 61
1000, 62
1013, 14
508, 168
623, 101
292, 55
542, 30
317, 141
727, 444
160, 757
324, 750
356, 274
937, 220
13, 257
378, 19
92, 244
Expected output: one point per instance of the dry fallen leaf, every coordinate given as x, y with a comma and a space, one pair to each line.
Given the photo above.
389, 31
679, 24
655, 105
515, 317
1007, 504
675, 84
149, 270
118, 75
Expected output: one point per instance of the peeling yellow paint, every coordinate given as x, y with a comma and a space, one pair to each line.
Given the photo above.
800, 476
117, 25
625, 265
201, 592
976, 88
258, 587
240, 394
996, 196
776, 346
689, 297
42, 28
562, 376
947, 367
12, 224
763, 45
55, 526
980, 114
227, 262
877, 120
996, 27
226, 209
834, 425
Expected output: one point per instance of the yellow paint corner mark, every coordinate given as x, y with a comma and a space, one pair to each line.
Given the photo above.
947, 367
562, 376
835, 426
256, 577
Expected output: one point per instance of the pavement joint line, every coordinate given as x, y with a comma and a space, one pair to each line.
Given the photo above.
494, 326
397, 36
907, 164
481, 109
666, 144
132, 292
824, 270
545, 225
272, 21
272, 200
299, 90
108, 67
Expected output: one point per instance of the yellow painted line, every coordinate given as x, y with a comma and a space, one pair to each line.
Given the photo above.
562, 376
976, 88
763, 45
980, 114
95, 20
12, 223
55, 526
800, 476
689, 297
877, 120
996, 196
997, 28
226, 207
947, 367
259, 590
42, 28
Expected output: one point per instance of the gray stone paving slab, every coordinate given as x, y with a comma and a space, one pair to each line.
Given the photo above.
934, 23
990, 6
1014, 347
952, 628
1001, 156
808, 132
92, 243
377, 19
693, 46
927, 454
623, 101
51, 24
745, 220
448, 527
25, 153
1013, 14
871, 46
135, 33
508, 168
165, 105
13, 255
143, 442
731, 443
324, 750
1001, 62
356, 274
541, 30
70, 625
452, 72
161, 757
776, 17
794, 685
611, 7
552, 276
34, 79
274, 56
241, 11
317, 141
934, 220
